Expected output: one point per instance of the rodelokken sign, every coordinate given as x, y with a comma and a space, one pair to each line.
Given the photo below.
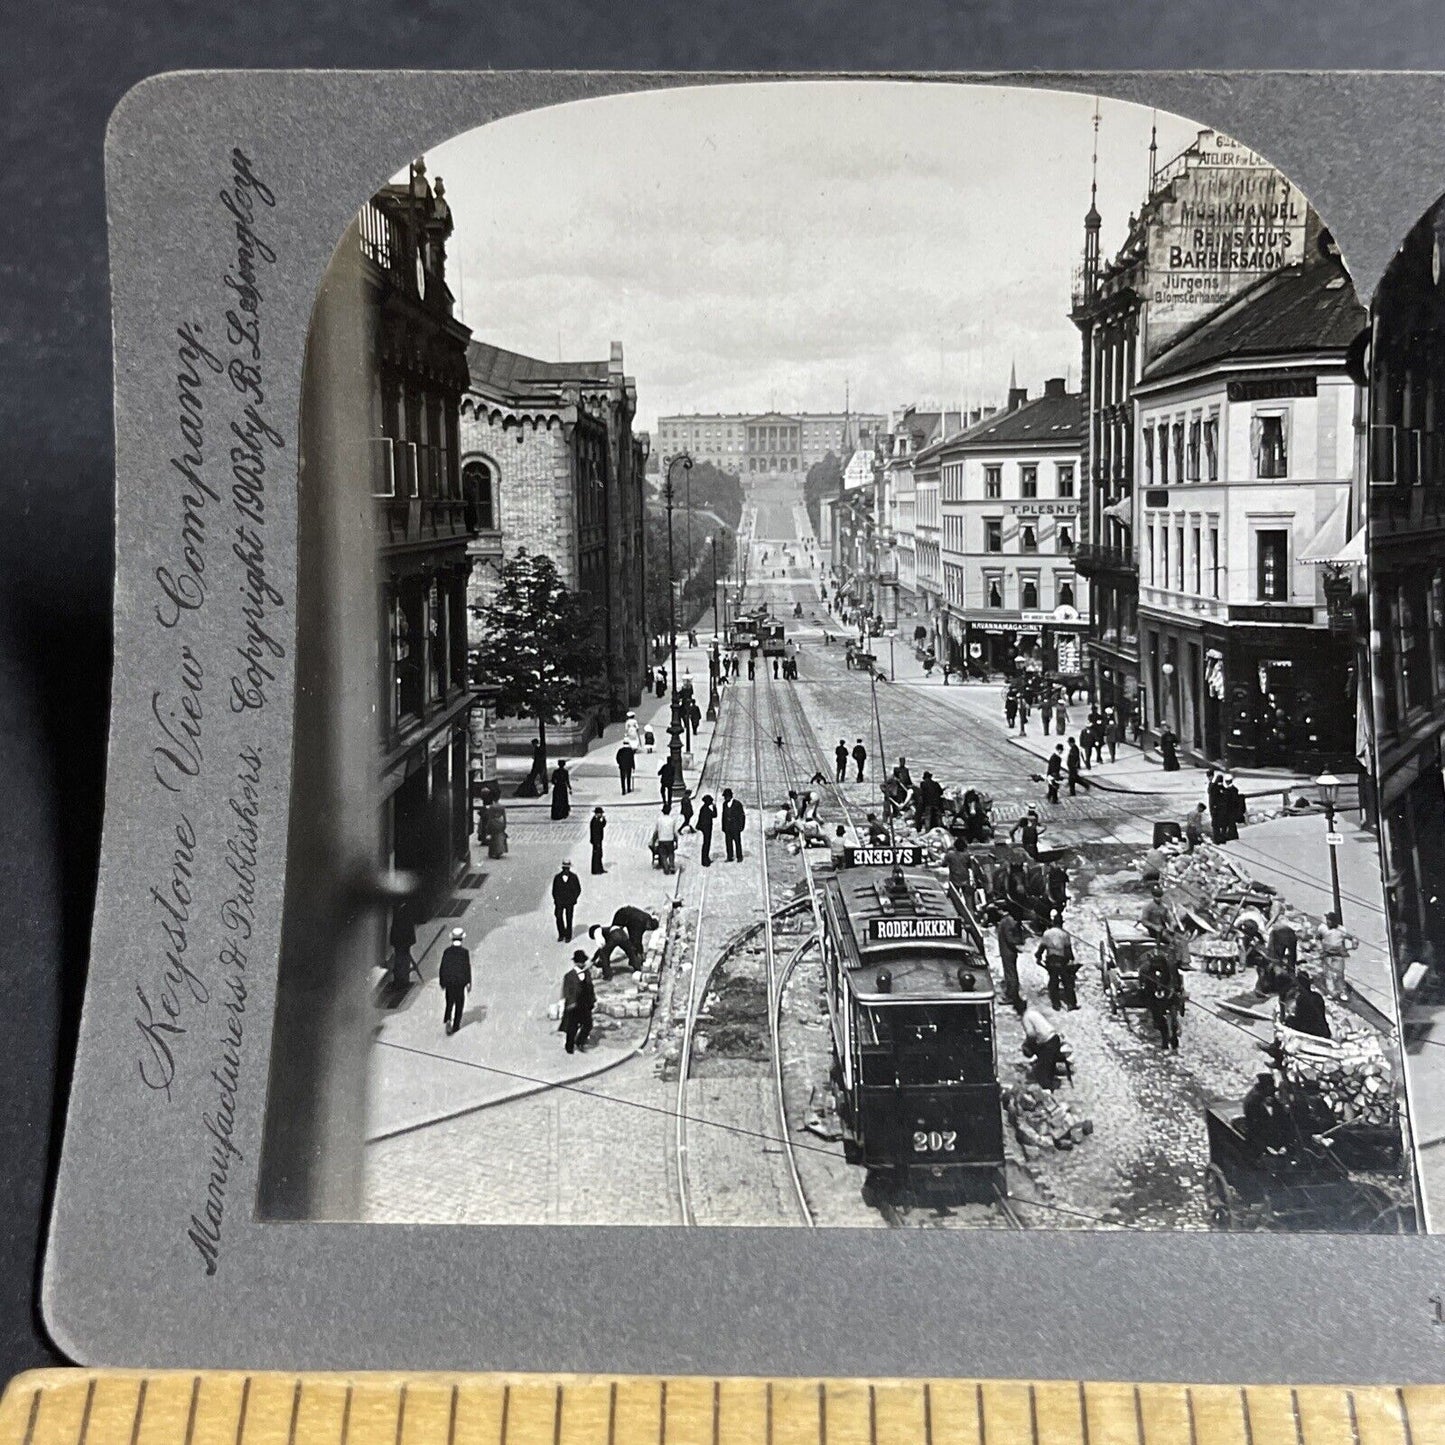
913, 930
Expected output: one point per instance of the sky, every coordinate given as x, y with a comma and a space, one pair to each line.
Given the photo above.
760, 246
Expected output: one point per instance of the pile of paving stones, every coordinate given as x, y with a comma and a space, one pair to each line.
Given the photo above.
1043, 1120
1350, 1069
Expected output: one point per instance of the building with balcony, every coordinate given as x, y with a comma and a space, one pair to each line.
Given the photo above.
1244, 510
425, 525
549, 462
1009, 496
1216, 220
1405, 469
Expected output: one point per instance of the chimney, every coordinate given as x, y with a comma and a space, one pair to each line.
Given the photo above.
1055, 386
614, 364
1017, 396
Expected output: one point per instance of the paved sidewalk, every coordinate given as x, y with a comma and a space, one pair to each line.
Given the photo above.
507, 1046
1291, 855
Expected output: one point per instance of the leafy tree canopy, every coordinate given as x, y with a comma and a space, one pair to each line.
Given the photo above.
540, 646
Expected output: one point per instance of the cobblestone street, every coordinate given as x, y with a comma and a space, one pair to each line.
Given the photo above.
600, 1145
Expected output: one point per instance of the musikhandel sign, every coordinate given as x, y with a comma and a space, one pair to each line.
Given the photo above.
1223, 218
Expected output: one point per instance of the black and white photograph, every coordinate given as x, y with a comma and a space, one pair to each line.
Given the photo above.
857, 683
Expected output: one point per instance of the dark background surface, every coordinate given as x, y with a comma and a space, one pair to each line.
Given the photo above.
65, 67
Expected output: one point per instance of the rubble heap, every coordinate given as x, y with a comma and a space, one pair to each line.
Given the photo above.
1353, 1074
1042, 1119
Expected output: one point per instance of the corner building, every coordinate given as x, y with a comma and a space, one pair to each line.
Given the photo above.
1010, 505
1216, 219
1245, 511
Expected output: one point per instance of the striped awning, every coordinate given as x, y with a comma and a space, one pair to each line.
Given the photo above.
1329, 547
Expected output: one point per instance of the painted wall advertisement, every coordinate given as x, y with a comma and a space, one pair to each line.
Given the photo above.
1225, 219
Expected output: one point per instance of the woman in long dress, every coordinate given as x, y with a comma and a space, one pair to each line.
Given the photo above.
561, 791
1169, 749
632, 734
496, 831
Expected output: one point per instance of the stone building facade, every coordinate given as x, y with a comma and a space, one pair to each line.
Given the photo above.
553, 466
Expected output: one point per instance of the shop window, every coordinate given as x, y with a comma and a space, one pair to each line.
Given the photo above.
1065, 476
992, 483
1272, 564
1029, 594
993, 534
1271, 445
1028, 539
1029, 482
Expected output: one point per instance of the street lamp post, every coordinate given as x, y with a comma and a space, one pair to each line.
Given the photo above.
1329, 787
712, 542
674, 731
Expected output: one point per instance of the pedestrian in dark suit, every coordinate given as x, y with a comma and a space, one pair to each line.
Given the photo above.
455, 978
1073, 766
860, 757
579, 998
1111, 737
840, 753
706, 817
1011, 938
595, 831
566, 890
626, 763
665, 780
734, 820
1055, 770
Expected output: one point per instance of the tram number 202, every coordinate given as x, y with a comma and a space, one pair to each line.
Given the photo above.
934, 1141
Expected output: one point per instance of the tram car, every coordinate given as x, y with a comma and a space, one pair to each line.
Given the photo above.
743, 634
911, 1008
771, 638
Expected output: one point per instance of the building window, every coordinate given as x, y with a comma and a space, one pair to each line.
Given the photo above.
1211, 446
1164, 554
1272, 552
1213, 561
1148, 456
1178, 451
1066, 479
1066, 592
1151, 554
993, 535
1198, 560
1028, 539
1163, 453
1271, 445
992, 483
477, 494
993, 590
1029, 482
1179, 557
1029, 594
1192, 456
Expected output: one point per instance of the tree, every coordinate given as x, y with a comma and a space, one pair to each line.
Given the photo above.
694, 568
823, 480
540, 648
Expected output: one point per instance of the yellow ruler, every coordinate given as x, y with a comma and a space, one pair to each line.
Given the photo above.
122, 1407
